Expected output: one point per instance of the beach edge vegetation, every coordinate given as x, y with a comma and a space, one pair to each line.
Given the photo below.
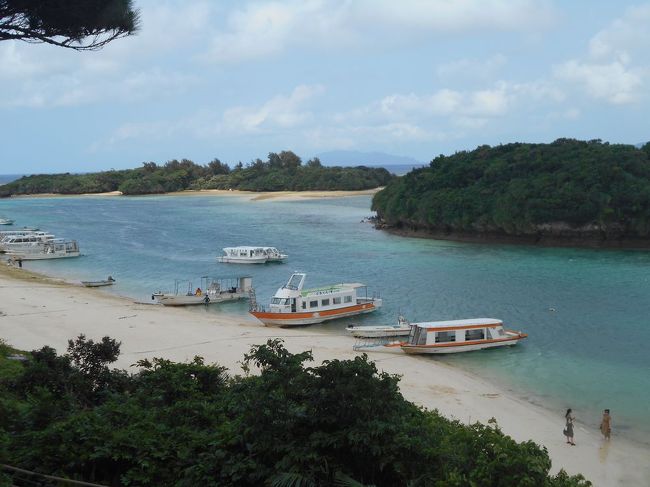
282, 171
282, 422
582, 191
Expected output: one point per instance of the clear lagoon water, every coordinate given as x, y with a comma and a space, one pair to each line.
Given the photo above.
587, 312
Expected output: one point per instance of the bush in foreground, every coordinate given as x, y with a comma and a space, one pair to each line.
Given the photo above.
185, 424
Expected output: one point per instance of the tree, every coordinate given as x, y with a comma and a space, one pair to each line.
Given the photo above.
315, 162
217, 167
82, 25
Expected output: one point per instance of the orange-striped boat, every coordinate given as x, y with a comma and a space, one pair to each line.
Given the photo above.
292, 305
459, 336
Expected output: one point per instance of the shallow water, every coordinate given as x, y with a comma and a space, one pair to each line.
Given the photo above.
587, 312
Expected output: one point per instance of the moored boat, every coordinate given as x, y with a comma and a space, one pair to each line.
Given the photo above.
459, 336
211, 291
18, 240
401, 328
251, 255
6, 221
292, 305
106, 282
50, 249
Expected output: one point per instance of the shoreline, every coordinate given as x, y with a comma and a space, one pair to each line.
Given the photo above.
60, 310
543, 241
250, 195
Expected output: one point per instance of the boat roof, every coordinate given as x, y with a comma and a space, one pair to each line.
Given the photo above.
246, 247
452, 323
333, 287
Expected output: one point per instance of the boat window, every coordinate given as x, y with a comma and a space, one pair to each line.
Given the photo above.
336, 300
347, 299
304, 305
475, 334
325, 302
445, 336
418, 336
276, 300
313, 304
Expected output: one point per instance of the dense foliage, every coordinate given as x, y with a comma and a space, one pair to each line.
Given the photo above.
526, 189
281, 172
339, 423
76, 24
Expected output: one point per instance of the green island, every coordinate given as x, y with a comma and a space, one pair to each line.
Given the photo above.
566, 192
281, 423
282, 171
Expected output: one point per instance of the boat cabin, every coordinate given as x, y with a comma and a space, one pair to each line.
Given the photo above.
459, 336
292, 298
293, 305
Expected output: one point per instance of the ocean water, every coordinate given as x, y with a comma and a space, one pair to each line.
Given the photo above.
587, 312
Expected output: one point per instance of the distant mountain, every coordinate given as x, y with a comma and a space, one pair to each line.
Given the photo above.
358, 158
640, 144
7, 178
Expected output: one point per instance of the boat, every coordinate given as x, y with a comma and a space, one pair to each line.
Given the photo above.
459, 336
6, 221
106, 282
212, 291
251, 255
292, 305
18, 240
57, 248
401, 328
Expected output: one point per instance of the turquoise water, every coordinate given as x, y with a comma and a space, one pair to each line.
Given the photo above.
587, 312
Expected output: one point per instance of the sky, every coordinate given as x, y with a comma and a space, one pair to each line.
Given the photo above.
236, 80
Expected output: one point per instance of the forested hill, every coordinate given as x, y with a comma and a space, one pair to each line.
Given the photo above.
567, 191
280, 172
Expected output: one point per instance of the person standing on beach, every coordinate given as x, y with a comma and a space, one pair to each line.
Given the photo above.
606, 425
568, 428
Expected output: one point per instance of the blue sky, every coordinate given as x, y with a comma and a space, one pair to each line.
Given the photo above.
418, 78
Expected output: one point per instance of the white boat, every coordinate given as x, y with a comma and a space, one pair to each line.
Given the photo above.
51, 249
251, 255
212, 291
6, 221
401, 328
106, 282
20, 240
292, 305
459, 336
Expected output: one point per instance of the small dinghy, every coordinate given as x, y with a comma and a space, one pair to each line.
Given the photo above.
106, 282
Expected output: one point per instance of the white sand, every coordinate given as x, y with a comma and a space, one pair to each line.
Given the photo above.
36, 312
249, 195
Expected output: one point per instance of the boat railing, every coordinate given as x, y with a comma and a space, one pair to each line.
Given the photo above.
253, 306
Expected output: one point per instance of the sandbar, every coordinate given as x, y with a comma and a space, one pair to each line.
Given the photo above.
249, 195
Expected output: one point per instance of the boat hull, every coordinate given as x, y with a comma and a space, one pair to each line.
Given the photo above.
452, 347
311, 318
235, 260
378, 331
193, 300
97, 283
43, 256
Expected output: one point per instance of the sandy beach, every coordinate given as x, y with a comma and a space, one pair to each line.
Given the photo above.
37, 311
250, 195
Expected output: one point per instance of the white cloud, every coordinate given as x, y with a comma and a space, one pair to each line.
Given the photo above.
625, 36
618, 64
260, 29
280, 112
613, 82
